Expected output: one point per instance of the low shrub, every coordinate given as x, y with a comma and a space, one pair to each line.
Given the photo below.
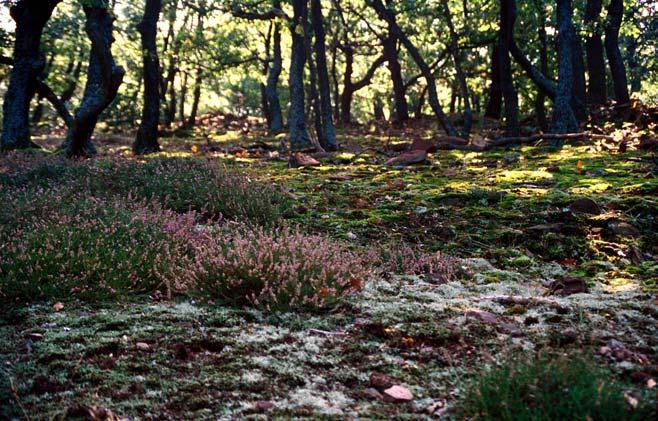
549, 389
406, 260
107, 248
179, 184
278, 269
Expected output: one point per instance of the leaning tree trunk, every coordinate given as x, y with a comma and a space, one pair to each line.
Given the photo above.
299, 138
505, 40
103, 80
147, 134
271, 87
433, 97
196, 99
596, 89
328, 138
31, 17
615, 60
564, 120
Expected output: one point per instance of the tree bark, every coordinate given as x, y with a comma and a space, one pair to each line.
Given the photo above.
350, 87
596, 88
540, 100
564, 120
495, 102
388, 16
328, 138
579, 100
299, 137
615, 60
147, 134
505, 40
401, 106
312, 86
272, 84
31, 17
459, 70
103, 80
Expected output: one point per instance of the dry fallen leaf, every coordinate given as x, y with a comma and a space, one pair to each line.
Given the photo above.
58, 306
142, 346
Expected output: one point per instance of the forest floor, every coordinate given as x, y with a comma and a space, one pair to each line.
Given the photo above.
557, 249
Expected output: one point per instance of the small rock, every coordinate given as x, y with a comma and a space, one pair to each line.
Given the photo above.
585, 205
556, 227
568, 285
408, 158
484, 316
624, 229
511, 158
380, 381
398, 394
142, 346
299, 159
264, 406
58, 306
373, 394
351, 236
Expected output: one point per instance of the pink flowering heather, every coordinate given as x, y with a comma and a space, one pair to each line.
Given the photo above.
276, 269
407, 260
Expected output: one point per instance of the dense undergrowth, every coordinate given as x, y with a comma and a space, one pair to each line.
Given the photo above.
213, 257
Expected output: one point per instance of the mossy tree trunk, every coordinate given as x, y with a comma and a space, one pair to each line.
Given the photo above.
299, 137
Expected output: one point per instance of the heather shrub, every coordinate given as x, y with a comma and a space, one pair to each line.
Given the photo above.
407, 260
278, 269
106, 248
549, 389
179, 184
193, 184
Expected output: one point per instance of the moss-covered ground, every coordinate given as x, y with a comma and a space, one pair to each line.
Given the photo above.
515, 218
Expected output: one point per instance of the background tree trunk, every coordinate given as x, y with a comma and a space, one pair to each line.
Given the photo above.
564, 120
505, 40
388, 16
328, 138
147, 134
540, 101
299, 138
579, 100
459, 70
31, 17
272, 85
495, 101
103, 80
596, 89
615, 60
401, 106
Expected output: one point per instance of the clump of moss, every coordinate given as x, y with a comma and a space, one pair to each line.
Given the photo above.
545, 388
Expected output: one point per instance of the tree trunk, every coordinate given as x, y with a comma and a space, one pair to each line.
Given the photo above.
564, 120
31, 17
196, 98
183, 99
615, 60
328, 138
348, 90
103, 80
540, 101
313, 85
388, 16
505, 40
399, 91
147, 134
596, 89
299, 137
334, 77
459, 70
579, 100
169, 89
495, 102
271, 87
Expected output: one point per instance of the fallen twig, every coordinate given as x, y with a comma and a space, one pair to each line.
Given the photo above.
509, 141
